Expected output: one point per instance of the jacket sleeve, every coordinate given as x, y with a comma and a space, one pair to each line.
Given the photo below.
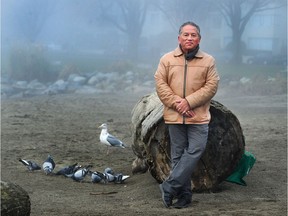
165, 93
208, 90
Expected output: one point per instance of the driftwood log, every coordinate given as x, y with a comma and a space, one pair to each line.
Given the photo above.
14, 200
151, 144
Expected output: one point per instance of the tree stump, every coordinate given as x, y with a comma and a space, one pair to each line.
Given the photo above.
151, 144
14, 200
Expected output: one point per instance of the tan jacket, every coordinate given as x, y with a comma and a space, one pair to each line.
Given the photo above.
196, 80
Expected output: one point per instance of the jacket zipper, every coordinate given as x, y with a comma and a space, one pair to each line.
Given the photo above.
184, 86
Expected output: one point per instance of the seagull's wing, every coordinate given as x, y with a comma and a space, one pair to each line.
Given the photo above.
113, 140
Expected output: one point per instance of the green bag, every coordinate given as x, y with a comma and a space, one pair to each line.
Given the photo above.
243, 168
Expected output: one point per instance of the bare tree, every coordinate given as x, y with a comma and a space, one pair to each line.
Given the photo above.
31, 17
128, 16
179, 11
237, 14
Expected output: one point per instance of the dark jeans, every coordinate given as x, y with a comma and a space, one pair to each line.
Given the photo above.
188, 143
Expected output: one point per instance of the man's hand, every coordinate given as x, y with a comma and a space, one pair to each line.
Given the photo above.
183, 108
189, 114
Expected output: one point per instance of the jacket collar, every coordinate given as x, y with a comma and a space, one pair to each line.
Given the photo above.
178, 52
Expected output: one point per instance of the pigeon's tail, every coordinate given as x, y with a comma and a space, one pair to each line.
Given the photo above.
24, 162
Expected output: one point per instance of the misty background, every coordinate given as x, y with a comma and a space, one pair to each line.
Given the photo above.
102, 43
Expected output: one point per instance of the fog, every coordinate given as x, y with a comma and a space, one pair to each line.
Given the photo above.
90, 36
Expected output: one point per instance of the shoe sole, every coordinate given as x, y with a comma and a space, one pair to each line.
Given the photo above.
180, 207
162, 193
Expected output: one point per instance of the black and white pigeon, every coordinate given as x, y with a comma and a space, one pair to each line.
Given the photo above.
68, 171
31, 165
108, 139
80, 174
48, 165
120, 178
97, 177
111, 176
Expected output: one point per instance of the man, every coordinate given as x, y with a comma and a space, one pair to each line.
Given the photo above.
186, 81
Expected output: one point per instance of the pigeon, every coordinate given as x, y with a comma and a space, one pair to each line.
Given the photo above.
97, 177
109, 174
80, 174
108, 139
68, 171
120, 178
48, 165
112, 177
31, 165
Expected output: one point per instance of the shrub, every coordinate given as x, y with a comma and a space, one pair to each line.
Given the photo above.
28, 62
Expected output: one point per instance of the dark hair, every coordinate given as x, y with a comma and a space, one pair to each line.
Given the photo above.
192, 24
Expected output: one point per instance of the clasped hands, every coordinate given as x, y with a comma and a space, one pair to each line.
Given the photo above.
183, 107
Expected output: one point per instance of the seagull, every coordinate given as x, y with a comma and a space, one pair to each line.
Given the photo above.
80, 174
68, 171
48, 165
31, 165
97, 177
108, 139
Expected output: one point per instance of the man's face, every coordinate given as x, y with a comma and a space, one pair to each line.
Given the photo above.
189, 38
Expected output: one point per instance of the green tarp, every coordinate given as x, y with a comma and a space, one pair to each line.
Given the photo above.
243, 168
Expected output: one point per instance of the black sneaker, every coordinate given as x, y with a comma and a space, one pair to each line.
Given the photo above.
181, 203
166, 197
